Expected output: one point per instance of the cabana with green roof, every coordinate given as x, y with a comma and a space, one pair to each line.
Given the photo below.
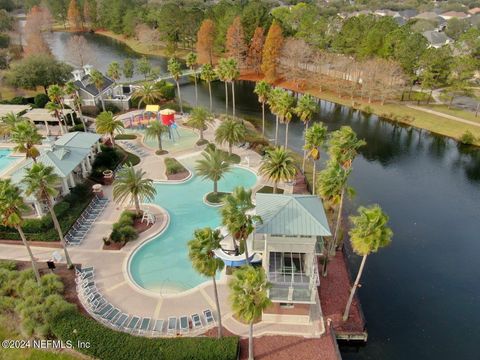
290, 238
71, 157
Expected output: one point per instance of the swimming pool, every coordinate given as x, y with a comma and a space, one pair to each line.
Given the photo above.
162, 264
180, 139
5, 159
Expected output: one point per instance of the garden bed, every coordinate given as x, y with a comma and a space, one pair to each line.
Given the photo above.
174, 170
269, 190
215, 199
123, 230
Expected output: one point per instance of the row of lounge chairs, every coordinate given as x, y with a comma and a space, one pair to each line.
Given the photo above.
84, 223
135, 148
103, 311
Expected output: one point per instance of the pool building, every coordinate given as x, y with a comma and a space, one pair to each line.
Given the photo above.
289, 239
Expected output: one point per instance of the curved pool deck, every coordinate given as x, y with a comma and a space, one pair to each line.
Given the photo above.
161, 264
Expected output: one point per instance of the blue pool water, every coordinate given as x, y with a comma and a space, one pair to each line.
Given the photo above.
5, 159
162, 264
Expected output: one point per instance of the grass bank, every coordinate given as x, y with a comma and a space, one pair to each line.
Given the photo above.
397, 112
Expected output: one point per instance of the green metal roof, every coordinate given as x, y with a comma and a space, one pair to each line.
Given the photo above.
78, 140
291, 215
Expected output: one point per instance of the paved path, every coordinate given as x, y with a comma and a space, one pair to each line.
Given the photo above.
447, 116
111, 266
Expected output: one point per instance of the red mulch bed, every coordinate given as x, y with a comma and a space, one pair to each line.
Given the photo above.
179, 176
286, 347
334, 291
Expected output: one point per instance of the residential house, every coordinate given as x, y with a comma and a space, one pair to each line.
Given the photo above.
289, 238
71, 157
474, 11
110, 93
436, 39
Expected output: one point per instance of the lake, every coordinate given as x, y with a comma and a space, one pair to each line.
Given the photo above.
420, 295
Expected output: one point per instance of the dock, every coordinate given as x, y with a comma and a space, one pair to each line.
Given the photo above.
334, 290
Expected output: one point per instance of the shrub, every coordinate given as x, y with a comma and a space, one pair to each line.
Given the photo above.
368, 109
34, 305
125, 137
40, 100
123, 230
91, 111
77, 127
111, 107
173, 166
123, 234
110, 344
8, 265
167, 90
18, 100
67, 211
202, 142
467, 138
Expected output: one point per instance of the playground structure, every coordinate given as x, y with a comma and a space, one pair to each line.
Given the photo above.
153, 113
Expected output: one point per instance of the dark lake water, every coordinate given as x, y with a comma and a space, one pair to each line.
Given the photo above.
421, 295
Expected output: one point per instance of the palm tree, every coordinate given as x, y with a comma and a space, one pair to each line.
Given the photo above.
131, 184
332, 187
175, 69
231, 73
199, 119
213, 166
191, 62
343, 148
208, 75
273, 101
98, 81
148, 94
262, 89
106, 123
306, 107
370, 232
314, 139
114, 71
249, 297
278, 166
41, 181
11, 208
234, 216
200, 252
285, 108
344, 145
8, 122
222, 73
56, 94
25, 135
71, 90
232, 132
155, 131
55, 110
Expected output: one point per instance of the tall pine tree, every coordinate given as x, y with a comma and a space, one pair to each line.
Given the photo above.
271, 52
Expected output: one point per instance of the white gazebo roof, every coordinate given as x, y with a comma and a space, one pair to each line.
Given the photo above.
16, 109
44, 115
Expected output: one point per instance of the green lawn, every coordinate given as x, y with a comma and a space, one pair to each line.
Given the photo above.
399, 112
464, 114
216, 198
269, 190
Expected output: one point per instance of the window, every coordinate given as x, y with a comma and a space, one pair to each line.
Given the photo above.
287, 305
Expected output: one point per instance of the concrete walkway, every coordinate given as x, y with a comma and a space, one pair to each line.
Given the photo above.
111, 274
447, 116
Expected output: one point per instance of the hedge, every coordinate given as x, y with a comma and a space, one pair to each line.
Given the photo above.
106, 343
68, 210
